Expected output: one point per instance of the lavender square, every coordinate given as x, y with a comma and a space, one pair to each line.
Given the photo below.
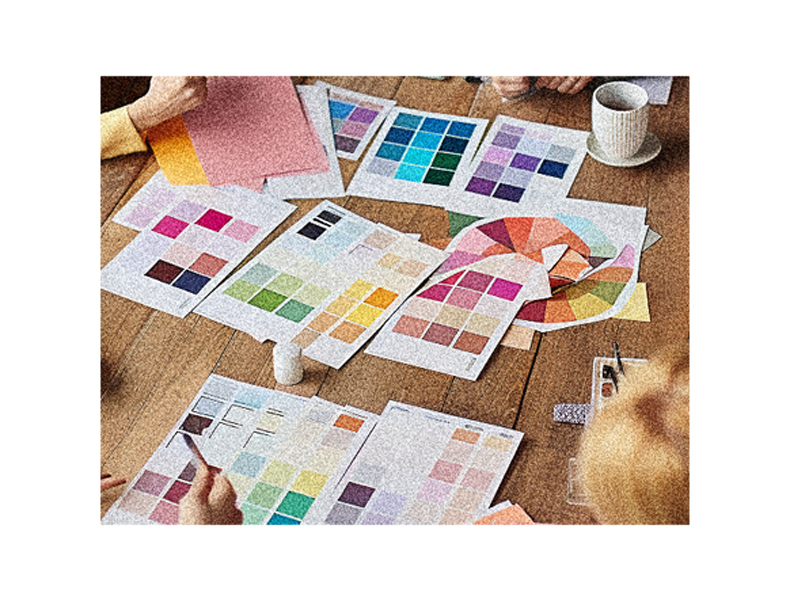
388, 503
517, 177
504, 140
376, 519
342, 515
362, 115
490, 171
512, 129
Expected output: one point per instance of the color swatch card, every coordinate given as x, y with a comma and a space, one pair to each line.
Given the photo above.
592, 278
158, 195
355, 118
518, 162
315, 185
327, 284
454, 324
181, 256
279, 451
421, 467
505, 514
417, 156
248, 128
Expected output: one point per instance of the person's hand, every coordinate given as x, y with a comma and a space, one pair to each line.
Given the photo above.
211, 500
510, 87
108, 482
166, 98
564, 85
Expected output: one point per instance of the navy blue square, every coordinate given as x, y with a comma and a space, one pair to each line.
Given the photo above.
552, 169
399, 136
436, 126
462, 130
457, 145
191, 282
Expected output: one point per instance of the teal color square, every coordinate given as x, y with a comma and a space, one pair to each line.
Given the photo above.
259, 274
281, 520
407, 120
411, 173
418, 156
392, 152
427, 140
295, 505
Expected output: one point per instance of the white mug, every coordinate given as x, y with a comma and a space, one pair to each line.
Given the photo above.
619, 118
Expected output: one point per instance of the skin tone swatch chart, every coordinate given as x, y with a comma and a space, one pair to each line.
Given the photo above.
416, 157
279, 451
185, 250
327, 284
519, 161
421, 467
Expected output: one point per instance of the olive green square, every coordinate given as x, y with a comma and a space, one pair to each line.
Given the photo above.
285, 284
278, 473
312, 295
267, 300
242, 290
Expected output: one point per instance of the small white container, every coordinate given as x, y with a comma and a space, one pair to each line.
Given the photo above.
287, 358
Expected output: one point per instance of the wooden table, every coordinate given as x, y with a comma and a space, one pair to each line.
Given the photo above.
152, 364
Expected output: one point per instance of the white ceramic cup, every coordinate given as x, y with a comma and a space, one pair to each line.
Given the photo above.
619, 118
287, 358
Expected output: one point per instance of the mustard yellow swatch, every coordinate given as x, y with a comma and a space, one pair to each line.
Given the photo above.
175, 153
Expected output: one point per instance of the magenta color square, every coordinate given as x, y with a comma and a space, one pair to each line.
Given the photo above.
466, 299
141, 216
446, 471
504, 289
376, 519
500, 156
177, 491
187, 211
355, 129
477, 479
435, 490
170, 227
437, 292
480, 186
165, 513
213, 220
151, 483
440, 334
475, 281
241, 230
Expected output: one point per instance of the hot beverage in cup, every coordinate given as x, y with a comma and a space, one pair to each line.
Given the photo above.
619, 118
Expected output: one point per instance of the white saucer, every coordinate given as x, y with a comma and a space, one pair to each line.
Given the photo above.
649, 150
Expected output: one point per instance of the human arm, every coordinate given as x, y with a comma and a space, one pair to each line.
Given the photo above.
210, 500
510, 87
108, 482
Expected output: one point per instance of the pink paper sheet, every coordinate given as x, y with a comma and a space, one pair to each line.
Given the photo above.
251, 128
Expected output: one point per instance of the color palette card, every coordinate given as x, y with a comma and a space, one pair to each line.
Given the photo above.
454, 325
181, 256
158, 195
518, 162
355, 118
278, 450
327, 284
248, 128
592, 278
421, 467
316, 185
417, 156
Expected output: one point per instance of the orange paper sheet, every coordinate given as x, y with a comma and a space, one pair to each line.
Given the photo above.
175, 153
513, 515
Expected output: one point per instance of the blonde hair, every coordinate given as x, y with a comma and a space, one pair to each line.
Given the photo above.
634, 455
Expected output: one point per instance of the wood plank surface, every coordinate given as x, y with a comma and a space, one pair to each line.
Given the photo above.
152, 363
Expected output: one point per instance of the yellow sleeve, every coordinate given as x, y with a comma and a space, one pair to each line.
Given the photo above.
118, 134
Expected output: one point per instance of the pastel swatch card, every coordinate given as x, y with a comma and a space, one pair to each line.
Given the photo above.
158, 195
355, 118
313, 185
454, 324
183, 254
327, 284
417, 156
248, 128
421, 467
518, 162
279, 451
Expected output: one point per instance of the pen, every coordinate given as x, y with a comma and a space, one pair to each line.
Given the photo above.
619, 359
